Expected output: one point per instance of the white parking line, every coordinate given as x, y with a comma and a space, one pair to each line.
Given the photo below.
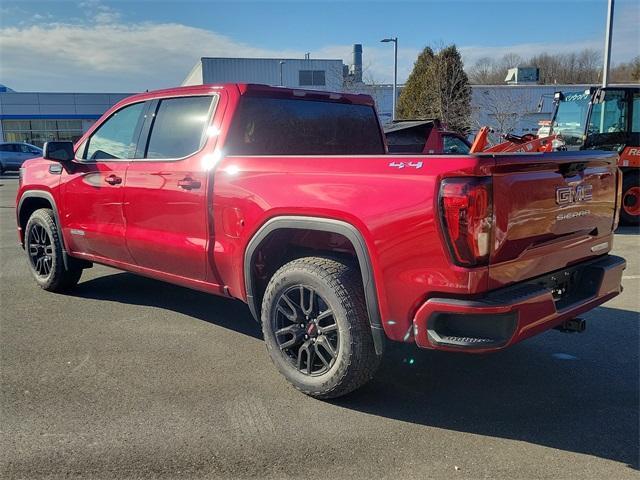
630, 277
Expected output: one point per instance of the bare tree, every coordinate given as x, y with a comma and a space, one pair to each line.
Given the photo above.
510, 60
501, 110
487, 71
627, 72
576, 67
483, 71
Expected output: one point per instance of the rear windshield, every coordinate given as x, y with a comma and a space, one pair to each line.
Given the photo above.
280, 126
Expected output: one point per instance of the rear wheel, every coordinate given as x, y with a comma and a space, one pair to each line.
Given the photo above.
44, 250
630, 213
316, 328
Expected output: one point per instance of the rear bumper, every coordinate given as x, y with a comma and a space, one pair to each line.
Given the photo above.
508, 315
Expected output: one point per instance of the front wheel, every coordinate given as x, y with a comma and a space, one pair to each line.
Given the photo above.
44, 250
316, 327
630, 213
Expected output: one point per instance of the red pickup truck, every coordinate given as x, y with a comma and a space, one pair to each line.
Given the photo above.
289, 201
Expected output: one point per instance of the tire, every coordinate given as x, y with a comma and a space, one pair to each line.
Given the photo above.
302, 352
630, 212
44, 252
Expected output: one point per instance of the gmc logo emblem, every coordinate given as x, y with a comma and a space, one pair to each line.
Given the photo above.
569, 195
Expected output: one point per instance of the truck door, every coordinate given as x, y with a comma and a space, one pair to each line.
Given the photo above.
166, 188
92, 192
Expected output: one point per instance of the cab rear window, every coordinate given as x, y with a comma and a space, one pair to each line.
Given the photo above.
281, 126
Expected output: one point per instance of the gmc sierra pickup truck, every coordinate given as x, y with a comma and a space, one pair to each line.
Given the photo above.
289, 201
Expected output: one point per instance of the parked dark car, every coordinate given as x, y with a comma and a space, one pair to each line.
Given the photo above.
13, 155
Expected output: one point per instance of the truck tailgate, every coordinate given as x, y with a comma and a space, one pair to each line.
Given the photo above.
551, 210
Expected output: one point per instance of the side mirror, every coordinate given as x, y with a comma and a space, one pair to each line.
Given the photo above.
58, 151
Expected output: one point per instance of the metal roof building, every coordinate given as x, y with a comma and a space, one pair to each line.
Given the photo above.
316, 74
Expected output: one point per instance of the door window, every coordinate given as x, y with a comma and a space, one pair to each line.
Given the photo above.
24, 148
179, 126
609, 116
635, 119
116, 138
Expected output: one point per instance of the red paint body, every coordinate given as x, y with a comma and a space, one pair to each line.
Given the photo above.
149, 225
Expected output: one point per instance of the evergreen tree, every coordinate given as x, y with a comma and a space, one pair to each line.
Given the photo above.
438, 87
415, 99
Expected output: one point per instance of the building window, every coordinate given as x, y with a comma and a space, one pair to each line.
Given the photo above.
39, 131
311, 78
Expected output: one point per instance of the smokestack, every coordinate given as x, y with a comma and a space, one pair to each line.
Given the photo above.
356, 65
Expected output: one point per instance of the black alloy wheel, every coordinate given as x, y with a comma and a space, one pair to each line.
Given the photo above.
40, 250
45, 249
316, 327
306, 330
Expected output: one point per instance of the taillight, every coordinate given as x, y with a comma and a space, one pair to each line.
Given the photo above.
466, 207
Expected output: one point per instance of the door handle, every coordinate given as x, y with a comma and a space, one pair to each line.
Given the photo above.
189, 183
113, 180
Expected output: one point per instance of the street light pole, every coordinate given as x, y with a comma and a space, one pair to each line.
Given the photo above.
395, 74
607, 44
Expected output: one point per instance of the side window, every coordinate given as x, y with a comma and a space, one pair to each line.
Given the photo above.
116, 138
5, 147
609, 116
454, 145
179, 126
24, 148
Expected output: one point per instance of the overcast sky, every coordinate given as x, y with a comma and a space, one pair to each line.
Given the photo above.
128, 46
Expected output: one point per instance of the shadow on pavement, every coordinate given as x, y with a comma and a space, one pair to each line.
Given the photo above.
136, 290
574, 392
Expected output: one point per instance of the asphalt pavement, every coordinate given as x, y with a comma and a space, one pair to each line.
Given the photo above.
128, 377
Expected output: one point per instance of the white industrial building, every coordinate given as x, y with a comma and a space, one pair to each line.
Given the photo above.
316, 74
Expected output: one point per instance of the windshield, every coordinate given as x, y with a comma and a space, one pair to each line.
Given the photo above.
570, 117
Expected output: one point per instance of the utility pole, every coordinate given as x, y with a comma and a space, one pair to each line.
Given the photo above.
607, 44
395, 74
